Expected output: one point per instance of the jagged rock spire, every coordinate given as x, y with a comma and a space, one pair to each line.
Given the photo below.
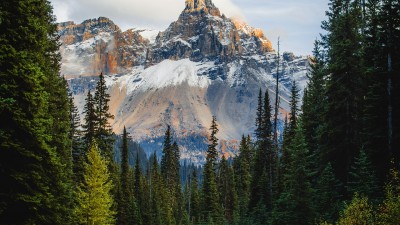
196, 5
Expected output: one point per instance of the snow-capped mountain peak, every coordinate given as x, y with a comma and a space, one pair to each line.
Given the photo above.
203, 64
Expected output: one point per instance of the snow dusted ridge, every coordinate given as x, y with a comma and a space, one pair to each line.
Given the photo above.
167, 73
195, 74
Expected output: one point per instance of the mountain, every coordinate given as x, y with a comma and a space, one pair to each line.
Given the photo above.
203, 64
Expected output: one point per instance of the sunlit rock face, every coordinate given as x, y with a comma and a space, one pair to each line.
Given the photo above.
203, 64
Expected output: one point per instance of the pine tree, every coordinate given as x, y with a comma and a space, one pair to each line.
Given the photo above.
104, 135
226, 187
90, 127
265, 168
242, 170
212, 153
212, 212
259, 116
126, 201
294, 108
294, 205
362, 179
194, 201
167, 159
314, 104
75, 135
138, 190
344, 91
94, 193
37, 189
327, 196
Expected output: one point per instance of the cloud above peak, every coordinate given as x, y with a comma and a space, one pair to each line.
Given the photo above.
156, 14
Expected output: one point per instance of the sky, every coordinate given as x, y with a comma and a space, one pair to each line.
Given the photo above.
296, 22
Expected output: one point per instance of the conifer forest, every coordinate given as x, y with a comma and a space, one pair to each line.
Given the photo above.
337, 160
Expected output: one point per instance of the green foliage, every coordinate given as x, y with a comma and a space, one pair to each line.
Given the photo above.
212, 153
389, 211
242, 171
327, 195
32, 133
358, 212
228, 194
362, 177
126, 202
104, 133
94, 193
212, 211
294, 205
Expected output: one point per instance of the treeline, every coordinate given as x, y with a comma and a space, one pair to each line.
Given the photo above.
338, 161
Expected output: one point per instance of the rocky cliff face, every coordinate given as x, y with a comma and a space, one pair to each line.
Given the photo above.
98, 45
203, 64
202, 32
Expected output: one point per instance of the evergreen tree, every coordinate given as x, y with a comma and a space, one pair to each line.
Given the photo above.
294, 205
194, 205
156, 189
362, 177
265, 168
167, 159
38, 188
259, 116
126, 201
75, 135
242, 170
104, 134
212, 153
228, 197
94, 193
138, 190
90, 127
314, 105
327, 196
294, 109
212, 212
344, 91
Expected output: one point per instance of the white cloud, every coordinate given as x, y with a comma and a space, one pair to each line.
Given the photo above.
131, 13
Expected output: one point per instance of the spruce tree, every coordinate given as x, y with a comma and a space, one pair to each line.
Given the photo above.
228, 195
314, 104
212, 153
242, 170
294, 205
126, 201
94, 193
194, 201
212, 212
362, 179
344, 91
259, 116
327, 196
104, 134
138, 189
30, 87
90, 127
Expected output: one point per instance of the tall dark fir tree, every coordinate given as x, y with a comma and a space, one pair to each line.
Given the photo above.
34, 125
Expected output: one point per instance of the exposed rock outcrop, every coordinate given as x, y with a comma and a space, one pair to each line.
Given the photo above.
203, 64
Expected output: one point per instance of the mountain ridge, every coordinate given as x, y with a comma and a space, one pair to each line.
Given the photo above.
203, 64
